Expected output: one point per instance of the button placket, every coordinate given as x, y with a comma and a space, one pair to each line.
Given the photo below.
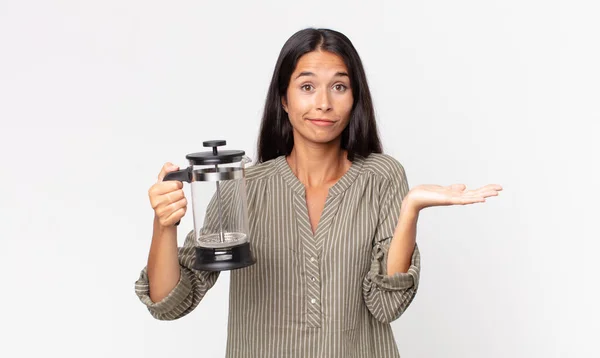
312, 246
314, 288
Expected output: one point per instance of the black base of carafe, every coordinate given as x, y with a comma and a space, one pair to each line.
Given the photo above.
223, 259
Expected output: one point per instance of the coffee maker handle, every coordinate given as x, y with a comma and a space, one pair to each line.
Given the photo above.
180, 175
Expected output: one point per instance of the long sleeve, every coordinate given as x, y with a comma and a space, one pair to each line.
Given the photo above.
188, 292
193, 284
388, 296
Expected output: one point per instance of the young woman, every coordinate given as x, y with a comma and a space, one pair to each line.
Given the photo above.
332, 220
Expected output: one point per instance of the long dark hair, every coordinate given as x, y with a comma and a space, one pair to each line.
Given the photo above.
360, 135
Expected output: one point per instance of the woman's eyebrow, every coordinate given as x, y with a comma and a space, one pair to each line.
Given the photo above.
309, 74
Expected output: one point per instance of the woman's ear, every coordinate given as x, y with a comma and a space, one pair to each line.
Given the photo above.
284, 104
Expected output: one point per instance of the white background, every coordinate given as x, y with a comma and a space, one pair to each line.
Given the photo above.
96, 96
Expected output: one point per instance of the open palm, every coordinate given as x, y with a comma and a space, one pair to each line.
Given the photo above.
423, 196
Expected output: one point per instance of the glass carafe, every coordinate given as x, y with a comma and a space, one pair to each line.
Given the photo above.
219, 206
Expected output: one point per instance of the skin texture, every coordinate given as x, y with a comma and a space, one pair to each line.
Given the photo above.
319, 88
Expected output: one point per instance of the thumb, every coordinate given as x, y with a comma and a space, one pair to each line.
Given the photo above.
167, 168
458, 187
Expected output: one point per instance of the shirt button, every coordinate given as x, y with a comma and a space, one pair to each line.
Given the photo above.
313, 259
312, 300
313, 279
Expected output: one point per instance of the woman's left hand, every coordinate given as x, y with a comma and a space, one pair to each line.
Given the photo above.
423, 196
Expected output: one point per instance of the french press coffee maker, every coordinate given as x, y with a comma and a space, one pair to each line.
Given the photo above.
222, 238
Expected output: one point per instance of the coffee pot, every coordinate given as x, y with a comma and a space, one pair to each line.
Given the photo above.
221, 239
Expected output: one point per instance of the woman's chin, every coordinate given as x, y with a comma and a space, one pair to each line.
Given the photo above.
322, 140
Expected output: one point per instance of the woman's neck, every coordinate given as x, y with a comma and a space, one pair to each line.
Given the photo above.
318, 165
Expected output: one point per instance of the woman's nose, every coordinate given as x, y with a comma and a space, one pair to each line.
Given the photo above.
323, 102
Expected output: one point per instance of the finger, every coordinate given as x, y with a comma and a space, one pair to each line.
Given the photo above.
175, 216
489, 193
467, 194
163, 170
162, 202
165, 187
179, 206
159, 193
164, 209
172, 207
174, 196
468, 200
495, 187
487, 190
167, 168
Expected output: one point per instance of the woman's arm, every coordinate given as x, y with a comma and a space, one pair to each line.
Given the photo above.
405, 235
387, 296
163, 264
187, 292
418, 198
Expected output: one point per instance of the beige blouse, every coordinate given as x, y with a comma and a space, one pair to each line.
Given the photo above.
322, 295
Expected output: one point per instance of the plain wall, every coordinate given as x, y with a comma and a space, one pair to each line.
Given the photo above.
96, 96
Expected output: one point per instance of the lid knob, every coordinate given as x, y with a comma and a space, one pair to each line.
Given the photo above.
214, 144
215, 157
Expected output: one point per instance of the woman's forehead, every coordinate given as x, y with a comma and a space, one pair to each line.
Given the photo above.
321, 63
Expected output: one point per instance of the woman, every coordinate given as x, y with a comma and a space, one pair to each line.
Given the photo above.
332, 220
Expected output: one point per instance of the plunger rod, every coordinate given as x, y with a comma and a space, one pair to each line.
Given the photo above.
215, 152
220, 208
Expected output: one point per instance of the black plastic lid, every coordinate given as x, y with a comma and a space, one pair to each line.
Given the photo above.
216, 156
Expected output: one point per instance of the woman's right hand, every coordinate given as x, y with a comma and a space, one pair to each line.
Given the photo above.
167, 198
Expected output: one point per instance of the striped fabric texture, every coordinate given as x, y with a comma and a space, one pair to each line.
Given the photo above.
321, 295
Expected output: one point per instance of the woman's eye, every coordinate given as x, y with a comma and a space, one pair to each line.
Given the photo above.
340, 87
306, 87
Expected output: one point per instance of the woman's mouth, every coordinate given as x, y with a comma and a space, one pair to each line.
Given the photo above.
321, 122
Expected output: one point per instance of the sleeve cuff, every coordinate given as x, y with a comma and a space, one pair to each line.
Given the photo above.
179, 293
399, 280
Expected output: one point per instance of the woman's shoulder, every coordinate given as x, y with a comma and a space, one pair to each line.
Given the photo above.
383, 165
262, 170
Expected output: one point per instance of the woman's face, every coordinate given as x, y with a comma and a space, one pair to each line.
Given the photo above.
319, 98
